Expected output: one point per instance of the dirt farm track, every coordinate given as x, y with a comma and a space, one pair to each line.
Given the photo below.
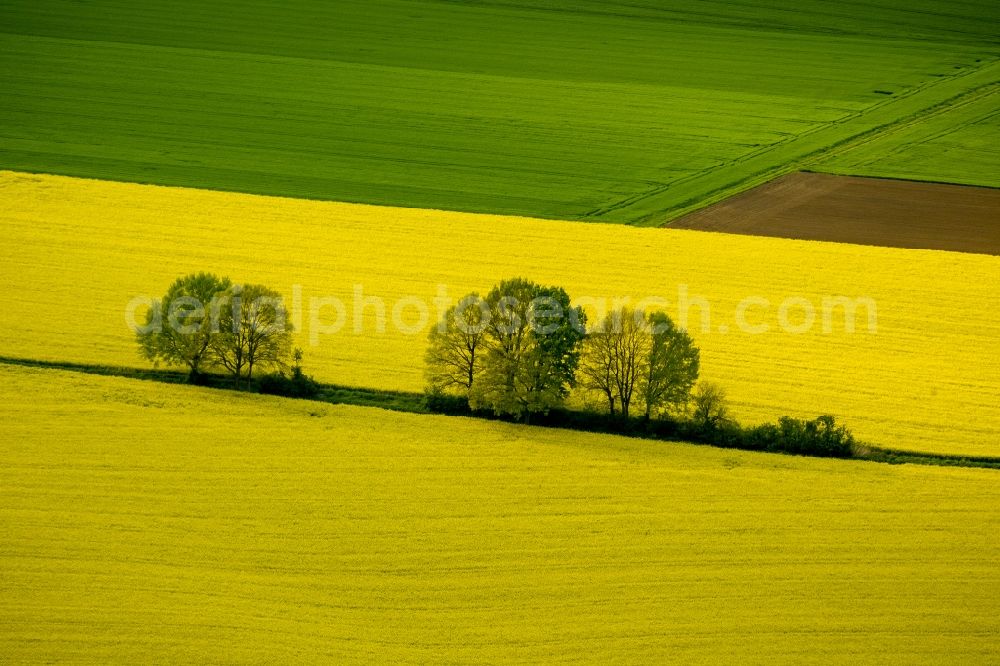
868, 211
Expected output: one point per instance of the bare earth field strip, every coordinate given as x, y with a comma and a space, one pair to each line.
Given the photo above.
867, 211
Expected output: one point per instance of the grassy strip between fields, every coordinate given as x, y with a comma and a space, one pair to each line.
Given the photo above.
416, 403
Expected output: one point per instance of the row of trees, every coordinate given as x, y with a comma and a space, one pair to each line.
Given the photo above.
517, 351
520, 349
205, 322
643, 359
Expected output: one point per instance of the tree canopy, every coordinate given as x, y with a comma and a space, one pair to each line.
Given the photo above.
456, 345
205, 322
632, 357
179, 328
527, 348
254, 331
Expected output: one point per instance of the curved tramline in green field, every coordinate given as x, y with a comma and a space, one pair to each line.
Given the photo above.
960, 144
145, 522
621, 112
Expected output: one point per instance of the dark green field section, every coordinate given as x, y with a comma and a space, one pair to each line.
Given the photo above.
627, 112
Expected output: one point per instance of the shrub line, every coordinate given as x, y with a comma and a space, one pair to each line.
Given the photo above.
565, 419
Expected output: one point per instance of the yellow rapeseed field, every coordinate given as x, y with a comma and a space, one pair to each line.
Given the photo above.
144, 522
74, 252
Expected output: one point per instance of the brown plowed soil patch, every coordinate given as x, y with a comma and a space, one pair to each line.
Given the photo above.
867, 211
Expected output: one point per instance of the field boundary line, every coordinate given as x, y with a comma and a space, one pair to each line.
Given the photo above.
413, 403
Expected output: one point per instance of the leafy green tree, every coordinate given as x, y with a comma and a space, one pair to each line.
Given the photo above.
180, 328
711, 408
636, 358
533, 339
614, 359
254, 332
672, 366
455, 347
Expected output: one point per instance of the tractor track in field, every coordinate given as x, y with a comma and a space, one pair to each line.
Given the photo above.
957, 102
744, 180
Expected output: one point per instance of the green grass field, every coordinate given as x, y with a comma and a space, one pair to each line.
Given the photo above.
145, 522
959, 145
615, 111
